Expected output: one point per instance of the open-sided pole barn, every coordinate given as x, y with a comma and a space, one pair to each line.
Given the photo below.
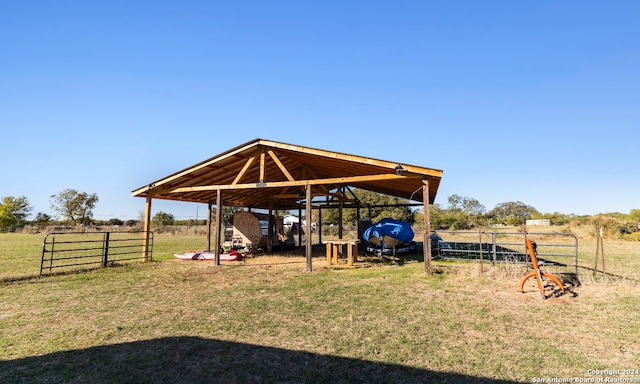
265, 174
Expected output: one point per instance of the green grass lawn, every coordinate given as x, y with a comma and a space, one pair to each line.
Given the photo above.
269, 321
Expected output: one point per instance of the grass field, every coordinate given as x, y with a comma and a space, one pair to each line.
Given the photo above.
269, 321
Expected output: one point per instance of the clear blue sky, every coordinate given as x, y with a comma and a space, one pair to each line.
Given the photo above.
531, 101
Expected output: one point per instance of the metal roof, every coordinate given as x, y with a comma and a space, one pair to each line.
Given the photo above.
263, 173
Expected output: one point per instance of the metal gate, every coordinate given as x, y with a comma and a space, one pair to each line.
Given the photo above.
85, 250
558, 249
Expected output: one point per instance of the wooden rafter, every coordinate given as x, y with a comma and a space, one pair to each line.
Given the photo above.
244, 170
280, 165
332, 180
347, 157
313, 175
285, 170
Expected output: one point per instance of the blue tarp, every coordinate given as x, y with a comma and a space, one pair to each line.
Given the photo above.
397, 229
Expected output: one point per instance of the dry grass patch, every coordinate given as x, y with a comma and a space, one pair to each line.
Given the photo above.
267, 320
457, 321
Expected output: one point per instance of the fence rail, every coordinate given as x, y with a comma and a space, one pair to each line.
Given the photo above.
557, 249
81, 250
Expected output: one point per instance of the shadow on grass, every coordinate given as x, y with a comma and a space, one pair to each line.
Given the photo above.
198, 360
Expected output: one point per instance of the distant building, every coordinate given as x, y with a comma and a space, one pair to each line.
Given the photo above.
289, 220
540, 222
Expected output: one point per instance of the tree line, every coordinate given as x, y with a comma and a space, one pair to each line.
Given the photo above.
462, 212
76, 208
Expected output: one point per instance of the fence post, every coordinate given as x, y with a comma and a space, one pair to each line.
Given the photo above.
53, 244
575, 238
480, 244
44, 251
493, 247
105, 250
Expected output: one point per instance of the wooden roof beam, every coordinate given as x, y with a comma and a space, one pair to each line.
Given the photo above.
313, 175
333, 180
244, 170
262, 167
284, 170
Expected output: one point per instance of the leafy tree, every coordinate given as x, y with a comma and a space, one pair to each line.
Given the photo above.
41, 220
466, 205
115, 221
463, 212
455, 202
556, 218
513, 212
385, 206
76, 207
162, 219
227, 214
436, 217
607, 224
13, 212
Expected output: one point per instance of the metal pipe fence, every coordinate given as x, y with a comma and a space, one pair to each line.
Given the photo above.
84, 250
554, 249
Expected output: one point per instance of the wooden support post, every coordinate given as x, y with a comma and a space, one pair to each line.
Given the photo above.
355, 251
319, 225
209, 227
426, 245
300, 226
307, 235
219, 228
358, 218
146, 229
329, 252
270, 229
340, 204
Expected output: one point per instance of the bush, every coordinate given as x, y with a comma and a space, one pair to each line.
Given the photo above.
632, 236
330, 230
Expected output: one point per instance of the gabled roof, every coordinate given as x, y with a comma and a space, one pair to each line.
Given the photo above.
261, 173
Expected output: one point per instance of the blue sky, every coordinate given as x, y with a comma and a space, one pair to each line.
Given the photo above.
531, 101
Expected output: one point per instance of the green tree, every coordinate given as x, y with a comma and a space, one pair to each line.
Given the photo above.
607, 224
467, 205
41, 220
381, 206
556, 218
227, 214
76, 207
513, 212
463, 212
436, 217
115, 221
13, 212
162, 219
